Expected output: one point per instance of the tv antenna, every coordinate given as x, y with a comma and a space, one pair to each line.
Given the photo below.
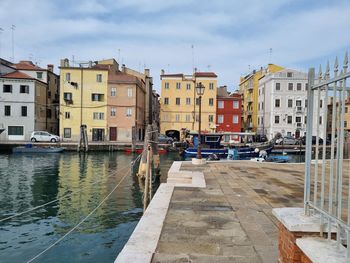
1, 30
13, 27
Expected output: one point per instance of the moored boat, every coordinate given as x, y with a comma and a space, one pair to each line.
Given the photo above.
35, 149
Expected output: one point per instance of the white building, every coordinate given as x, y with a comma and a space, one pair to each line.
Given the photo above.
282, 104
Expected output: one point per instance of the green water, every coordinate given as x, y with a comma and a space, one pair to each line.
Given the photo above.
28, 181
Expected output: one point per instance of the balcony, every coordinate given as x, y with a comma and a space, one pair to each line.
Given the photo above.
249, 99
250, 87
299, 110
249, 112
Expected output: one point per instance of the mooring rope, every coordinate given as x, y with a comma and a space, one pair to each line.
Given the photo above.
62, 197
82, 221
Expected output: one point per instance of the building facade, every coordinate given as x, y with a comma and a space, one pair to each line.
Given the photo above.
23, 103
180, 102
248, 87
282, 104
109, 101
228, 111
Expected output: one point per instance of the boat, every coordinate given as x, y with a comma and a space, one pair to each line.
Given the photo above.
253, 149
271, 159
30, 149
210, 145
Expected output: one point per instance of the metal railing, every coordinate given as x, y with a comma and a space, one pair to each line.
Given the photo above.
326, 190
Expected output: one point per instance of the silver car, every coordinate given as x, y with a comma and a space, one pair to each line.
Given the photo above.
289, 140
43, 136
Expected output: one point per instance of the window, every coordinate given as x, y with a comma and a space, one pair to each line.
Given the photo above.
345, 124
278, 86
128, 112
258, 120
298, 86
178, 85
188, 86
235, 104
220, 118
277, 103
220, 104
277, 119
197, 101
320, 103
210, 118
166, 117
7, 110
289, 133
188, 101
129, 92
67, 76
177, 101
15, 130
320, 120
99, 77
48, 113
67, 132
49, 94
298, 103
290, 86
113, 112
211, 102
98, 116
289, 74
97, 97
346, 109
211, 85
24, 89
262, 105
235, 119
166, 101
24, 111
305, 103
188, 117
298, 119
166, 85
289, 119
39, 75
290, 103
177, 117
67, 96
67, 115
7, 88
305, 120
113, 92
306, 86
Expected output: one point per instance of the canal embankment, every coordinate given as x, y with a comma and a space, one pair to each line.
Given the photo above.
227, 219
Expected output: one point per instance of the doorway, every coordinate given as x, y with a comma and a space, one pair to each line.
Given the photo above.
112, 133
98, 134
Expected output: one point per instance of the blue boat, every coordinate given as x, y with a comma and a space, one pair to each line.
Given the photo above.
30, 149
211, 144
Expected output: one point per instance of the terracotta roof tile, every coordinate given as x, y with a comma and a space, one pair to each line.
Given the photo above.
121, 77
205, 74
180, 75
27, 65
16, 75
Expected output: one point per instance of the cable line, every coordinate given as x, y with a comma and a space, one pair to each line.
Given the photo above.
82, 221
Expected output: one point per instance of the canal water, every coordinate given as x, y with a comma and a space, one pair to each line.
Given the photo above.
78, 183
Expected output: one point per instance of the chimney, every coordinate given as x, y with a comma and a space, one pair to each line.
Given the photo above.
162, 72
50, 67
64, 62
123, 68
147, 72
90, 64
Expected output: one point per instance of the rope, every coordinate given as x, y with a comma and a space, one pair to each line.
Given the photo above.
55, 200
76, 226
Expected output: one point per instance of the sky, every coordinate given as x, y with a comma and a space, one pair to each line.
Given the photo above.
228, 37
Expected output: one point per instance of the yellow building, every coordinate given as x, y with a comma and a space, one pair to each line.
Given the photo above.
83, 100
179, 102
248, 87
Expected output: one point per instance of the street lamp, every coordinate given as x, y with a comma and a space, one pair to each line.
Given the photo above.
200, 91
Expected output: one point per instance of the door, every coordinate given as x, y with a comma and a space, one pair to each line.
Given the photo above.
98, 134
112, 133
297, 134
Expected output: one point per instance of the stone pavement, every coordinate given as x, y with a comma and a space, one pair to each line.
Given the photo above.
230, 220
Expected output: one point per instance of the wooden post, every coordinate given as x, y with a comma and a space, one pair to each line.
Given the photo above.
145, 193
142, 166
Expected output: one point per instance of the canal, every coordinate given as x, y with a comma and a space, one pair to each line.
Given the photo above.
78, 183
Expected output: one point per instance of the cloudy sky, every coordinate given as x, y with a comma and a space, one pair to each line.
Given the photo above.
229, 37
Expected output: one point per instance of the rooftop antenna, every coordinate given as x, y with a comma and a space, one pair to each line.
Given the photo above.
73, 60
13, 27
1, 30
192, 47
270, 55
118, 55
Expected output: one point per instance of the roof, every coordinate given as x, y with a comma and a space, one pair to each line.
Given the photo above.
121, 77
177, 75
16, 75
27, 65
205, 74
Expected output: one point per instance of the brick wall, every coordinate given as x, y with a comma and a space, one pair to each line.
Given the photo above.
289, 252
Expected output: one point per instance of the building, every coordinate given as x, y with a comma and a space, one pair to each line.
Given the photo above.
24, 100
248, 87
109, 101
228, 111
282, 104
180, 102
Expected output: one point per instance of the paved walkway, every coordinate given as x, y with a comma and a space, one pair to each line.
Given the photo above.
230, 220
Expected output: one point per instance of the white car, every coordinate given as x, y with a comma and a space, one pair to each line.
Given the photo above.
43, 136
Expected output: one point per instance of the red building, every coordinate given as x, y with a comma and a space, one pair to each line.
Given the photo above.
228, 111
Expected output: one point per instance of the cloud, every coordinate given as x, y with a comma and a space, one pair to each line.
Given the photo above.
228, 36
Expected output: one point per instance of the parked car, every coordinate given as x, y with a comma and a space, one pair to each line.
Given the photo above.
288, 140
163, 139
320, 140
43, 136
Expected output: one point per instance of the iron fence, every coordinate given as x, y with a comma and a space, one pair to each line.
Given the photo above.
326, 190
